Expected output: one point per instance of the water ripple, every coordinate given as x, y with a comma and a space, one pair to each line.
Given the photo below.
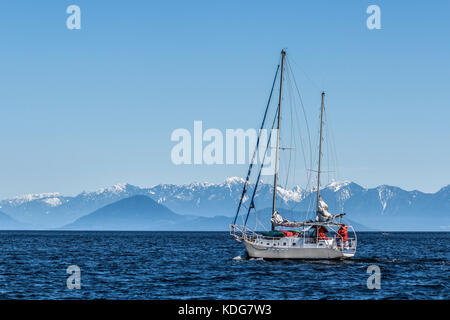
202, 265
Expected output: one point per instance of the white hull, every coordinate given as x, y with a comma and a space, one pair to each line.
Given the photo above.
302, 252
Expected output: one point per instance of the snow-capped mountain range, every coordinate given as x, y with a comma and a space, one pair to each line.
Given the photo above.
380, 207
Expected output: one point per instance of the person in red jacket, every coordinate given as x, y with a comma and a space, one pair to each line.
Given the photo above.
322, 233
343, 236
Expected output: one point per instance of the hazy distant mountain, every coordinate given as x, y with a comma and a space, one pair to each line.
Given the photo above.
8, 223
383, 207
52, 210
134, 213
142, 213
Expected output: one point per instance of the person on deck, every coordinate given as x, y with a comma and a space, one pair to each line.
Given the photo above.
343, 236
322, 233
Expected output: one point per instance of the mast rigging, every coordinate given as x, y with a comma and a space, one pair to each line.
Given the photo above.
280, 98
322, 107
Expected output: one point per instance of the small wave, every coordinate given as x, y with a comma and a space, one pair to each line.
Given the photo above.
375, 260
257, 259
238, 258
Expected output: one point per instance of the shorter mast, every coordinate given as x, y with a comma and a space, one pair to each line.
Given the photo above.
322, 108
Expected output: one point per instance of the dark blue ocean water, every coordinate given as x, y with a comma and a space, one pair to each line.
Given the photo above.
200, 265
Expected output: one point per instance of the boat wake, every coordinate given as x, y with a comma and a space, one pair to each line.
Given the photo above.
245, 257
257, 259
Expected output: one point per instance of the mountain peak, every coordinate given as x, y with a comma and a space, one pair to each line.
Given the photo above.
117, 188
336, 185
232, 180
137, 199
200, 184
36, 196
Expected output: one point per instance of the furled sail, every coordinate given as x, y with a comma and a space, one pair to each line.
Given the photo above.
278, 220
323, 214
322, 211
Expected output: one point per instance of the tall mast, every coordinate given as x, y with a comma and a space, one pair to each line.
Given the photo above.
322, 108
280, 98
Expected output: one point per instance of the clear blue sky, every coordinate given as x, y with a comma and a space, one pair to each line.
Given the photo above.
88, 108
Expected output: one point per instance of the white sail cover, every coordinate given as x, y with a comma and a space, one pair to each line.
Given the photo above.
278, 220
322, 211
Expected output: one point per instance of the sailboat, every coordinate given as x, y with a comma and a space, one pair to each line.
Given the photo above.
325, 237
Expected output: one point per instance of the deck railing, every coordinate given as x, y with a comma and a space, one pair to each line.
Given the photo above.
244, 233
